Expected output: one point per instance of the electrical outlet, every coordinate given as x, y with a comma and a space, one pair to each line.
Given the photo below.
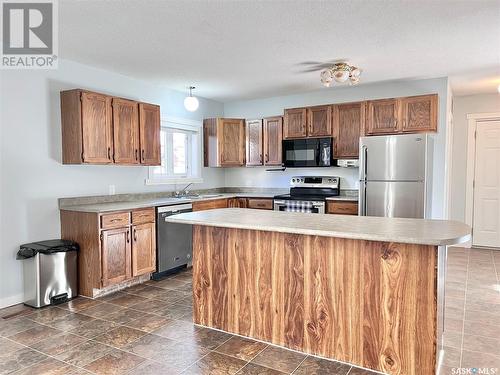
111, 189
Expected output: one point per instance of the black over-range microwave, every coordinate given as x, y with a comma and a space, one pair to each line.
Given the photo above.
310, 152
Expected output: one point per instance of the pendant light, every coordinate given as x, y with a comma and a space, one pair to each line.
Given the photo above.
191, 103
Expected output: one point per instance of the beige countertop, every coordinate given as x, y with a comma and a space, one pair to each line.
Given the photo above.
414, 231
169, 201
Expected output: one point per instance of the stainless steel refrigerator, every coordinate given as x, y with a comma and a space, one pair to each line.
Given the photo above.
395, 176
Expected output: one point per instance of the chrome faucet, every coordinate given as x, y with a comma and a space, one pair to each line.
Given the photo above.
184, 192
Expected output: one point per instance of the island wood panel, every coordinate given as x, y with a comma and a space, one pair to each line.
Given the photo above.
368, 303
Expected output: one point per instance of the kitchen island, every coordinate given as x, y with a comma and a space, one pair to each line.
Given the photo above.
363, 290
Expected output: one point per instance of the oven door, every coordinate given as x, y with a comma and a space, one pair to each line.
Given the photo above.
315, 207
313, 152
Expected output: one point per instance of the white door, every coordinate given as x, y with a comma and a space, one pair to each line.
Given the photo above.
486, 222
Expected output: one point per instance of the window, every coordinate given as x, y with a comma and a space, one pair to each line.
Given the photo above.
180, 153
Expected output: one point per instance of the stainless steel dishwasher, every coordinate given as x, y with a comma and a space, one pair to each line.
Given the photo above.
174, 241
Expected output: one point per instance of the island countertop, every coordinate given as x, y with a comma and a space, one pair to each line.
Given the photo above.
412, 231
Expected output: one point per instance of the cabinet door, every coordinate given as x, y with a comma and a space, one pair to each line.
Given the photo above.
231, 137
237, 203
295, 123
115, 255
143, 249
260, 203
273, 135
97, 132
125, 131
210, 204
348, 126
419, 113
149, 130
319, 121
382, 117
254, 142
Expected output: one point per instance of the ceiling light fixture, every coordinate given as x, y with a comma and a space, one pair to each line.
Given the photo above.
191, 102
340, 72
498, 88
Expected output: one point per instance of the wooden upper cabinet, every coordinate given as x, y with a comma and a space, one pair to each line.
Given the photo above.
419, 113
143, 249
224, 142
97, 131
319, 121
86, 124
149, 131
348, 126
115, 255
295, 123
231, 142
273, 135
126, 131
382, 117
100, 129
254, 143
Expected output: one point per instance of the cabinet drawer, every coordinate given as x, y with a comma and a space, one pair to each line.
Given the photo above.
263, 204
211, 204
146, 215
115, 220
342, 208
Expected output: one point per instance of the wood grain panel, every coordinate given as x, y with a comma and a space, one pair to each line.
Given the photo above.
211, 155
143, 249
71, 127
342, 207
115, 220
295, 123
83, 228
116, 255
231, 141
368, 303
254, 143
125, 131
144, 215
260, 203
319, 121
382, 117
211, 204
419, 113
149, 132
273, 137
348, 126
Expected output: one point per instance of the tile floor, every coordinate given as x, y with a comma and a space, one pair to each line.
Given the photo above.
147, 329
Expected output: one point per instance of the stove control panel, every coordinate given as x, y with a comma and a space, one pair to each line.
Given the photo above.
331, 182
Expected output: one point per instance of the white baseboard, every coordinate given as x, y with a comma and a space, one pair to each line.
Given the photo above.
12, 300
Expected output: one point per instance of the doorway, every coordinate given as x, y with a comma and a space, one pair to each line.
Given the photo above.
485, 174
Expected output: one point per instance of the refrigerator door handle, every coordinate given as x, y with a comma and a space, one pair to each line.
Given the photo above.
364, 162
362, 199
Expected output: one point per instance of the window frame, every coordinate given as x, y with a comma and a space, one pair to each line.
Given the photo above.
193, 153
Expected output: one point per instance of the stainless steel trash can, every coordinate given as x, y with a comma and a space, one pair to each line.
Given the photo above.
50, 272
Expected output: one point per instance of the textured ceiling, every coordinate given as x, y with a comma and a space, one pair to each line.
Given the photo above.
235, 50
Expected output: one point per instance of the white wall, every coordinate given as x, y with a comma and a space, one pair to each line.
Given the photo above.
275, 106
463, 105
32, 176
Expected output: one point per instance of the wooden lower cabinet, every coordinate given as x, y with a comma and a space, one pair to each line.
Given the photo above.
260, 203
115, 253
115, 247
211, 204
237, 203
342, 207
143, 249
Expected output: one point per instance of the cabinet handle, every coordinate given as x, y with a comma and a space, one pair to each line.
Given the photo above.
267, 158
128, 236
136, 154
109, 153
142, 154
135, 235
